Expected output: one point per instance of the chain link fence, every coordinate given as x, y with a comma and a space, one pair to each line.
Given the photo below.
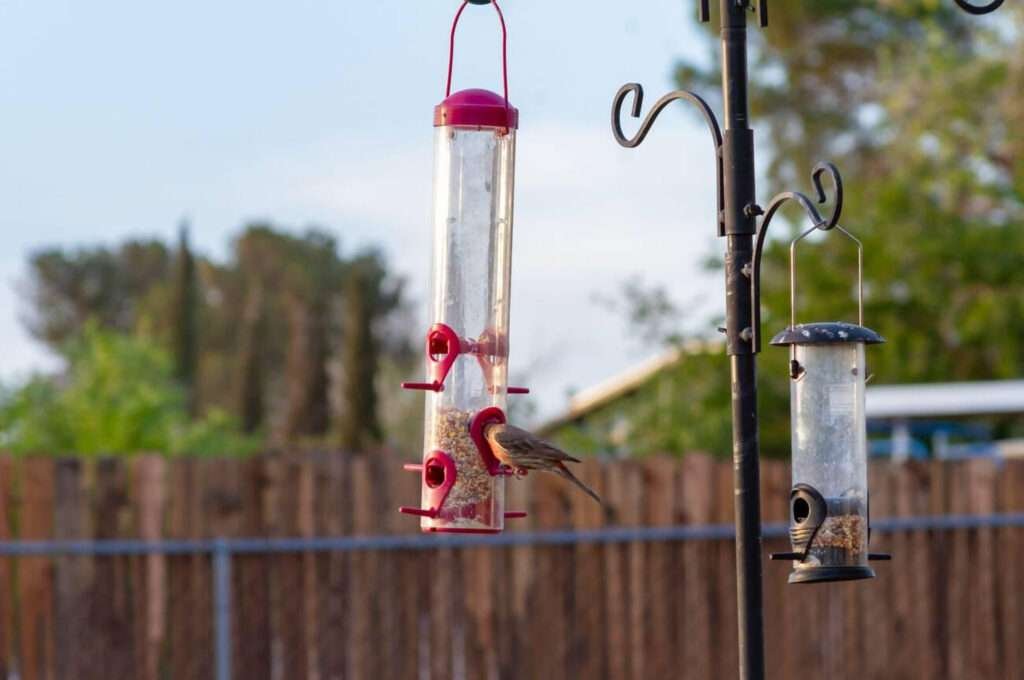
640, 602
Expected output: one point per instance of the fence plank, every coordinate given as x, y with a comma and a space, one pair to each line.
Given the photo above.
724, 556
399, 626
618, 589
631, 513
332, 497
74, 576
587, 645
287, 573
477, 600
311, 639
520, 568
223, 500
7, 603
874, 595
550, 599
696, 567
363, 660
659, 499
982, 655
892, 498
188, 577
250, 620
1011, 579
961, 575
775, 485
35, 574
150, 498
920, 582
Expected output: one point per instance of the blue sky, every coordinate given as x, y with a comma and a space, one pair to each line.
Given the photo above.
121, 118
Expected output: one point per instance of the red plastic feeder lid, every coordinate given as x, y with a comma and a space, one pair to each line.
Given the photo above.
476, 108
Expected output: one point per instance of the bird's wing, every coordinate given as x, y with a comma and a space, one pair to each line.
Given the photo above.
516, 440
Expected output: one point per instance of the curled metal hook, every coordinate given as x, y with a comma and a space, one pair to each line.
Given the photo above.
979, 9
637, 90
837, 184
817, 222
504, 44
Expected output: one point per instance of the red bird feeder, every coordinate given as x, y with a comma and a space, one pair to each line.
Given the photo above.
467, 345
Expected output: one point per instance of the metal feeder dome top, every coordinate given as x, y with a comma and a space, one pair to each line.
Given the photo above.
826, 333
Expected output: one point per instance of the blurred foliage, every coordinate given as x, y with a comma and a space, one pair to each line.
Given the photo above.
920, 106
185, 308
935, 193
283, 341
119, 396
366, 296
110, 285
655, 317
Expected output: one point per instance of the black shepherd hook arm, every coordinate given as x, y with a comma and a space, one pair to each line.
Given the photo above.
817, 220
971, 8
637, 91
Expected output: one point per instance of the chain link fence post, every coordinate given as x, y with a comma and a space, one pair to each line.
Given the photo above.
222, 608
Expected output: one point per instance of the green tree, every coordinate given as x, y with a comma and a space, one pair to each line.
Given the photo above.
920, 107
271, 320
68, 288
314, 282
119, 396
369, 296
186, 320
935, 191
251, 359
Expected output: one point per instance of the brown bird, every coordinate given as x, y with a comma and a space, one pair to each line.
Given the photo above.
522, 450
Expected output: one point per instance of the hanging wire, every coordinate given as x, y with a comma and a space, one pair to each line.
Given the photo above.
792, 273
504, 49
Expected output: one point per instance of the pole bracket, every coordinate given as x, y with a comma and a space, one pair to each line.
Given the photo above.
637, 90
817, 220
760, 7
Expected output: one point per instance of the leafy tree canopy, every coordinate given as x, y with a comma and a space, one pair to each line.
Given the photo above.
263, 336
921, 107
119, 396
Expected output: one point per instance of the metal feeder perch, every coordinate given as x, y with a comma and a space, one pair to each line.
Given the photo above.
467, 345
829, 517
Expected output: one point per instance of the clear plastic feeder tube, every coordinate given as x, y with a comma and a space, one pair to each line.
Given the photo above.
830, 450
470, 284
829, 498
471, 278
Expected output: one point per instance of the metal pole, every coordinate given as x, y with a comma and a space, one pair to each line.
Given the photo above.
222, 609
740, 226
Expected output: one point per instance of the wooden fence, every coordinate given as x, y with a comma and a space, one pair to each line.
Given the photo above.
948, 606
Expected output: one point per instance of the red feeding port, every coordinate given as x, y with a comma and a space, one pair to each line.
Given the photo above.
482, 419
443, 348
439, 478
433, 474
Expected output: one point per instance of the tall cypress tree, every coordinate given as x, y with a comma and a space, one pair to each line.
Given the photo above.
358, 425
186, 320
313, 277
250, 361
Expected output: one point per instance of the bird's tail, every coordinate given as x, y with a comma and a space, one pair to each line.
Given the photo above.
561, 469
